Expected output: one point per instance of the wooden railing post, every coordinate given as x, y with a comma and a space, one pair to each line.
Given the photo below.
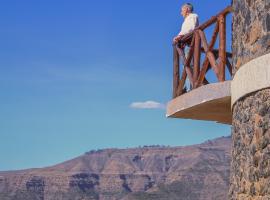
186, 65
222, 47
197, 57
206, 62
175, 71
209, 54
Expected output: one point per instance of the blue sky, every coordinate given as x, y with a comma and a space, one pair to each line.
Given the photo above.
70, 71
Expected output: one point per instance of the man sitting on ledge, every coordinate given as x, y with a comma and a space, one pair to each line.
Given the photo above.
191, 21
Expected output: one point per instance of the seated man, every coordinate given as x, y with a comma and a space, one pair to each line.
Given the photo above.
191, 21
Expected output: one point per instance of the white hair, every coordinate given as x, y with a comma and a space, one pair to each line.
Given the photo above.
189, 6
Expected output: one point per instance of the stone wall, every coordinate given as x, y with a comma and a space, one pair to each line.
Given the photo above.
250, 177
251, 30
250, 166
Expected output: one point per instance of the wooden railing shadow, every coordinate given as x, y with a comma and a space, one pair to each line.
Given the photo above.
215, 59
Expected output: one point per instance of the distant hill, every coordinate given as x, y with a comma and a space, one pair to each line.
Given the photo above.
197, 172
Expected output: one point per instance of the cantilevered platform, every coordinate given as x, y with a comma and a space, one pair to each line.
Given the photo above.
210, 102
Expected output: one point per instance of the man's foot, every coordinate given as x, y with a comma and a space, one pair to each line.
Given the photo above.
184, 90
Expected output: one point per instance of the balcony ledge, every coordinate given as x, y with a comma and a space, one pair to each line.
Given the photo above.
210, 102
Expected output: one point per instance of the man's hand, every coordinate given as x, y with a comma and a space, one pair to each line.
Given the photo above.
176, 39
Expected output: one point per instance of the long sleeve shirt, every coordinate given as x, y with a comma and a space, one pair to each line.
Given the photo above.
189, 24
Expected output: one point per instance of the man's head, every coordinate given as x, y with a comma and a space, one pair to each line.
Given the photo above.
186, 9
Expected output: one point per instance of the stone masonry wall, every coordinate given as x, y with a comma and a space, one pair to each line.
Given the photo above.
251, 30
250, 166
250, 169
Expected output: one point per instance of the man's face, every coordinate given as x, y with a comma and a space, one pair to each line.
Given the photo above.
184, 11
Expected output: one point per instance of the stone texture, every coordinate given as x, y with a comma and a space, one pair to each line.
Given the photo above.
251, 30
250, 167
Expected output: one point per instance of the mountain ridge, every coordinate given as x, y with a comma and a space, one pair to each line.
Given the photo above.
135, 173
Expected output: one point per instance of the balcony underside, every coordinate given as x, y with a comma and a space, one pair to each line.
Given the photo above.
210, 102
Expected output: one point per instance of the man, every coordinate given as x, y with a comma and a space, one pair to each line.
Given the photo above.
191, 21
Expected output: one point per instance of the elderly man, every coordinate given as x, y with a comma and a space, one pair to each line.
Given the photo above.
191, 21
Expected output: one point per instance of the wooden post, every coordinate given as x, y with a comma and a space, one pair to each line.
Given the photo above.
186, 68
197, 57
186, 65
222, 47
214, 37
202, 73
206, 63
209, 54
182, 83
175, 71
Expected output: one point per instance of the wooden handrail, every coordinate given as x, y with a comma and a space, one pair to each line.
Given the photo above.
215, 59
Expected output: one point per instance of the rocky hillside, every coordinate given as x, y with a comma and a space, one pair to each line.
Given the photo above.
198, 172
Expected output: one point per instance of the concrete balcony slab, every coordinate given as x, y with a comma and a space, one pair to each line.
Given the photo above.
210, 102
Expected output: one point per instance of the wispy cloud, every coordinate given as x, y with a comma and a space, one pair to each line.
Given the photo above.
147, 105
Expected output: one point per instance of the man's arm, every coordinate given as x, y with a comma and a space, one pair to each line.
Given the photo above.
177, 38
194, 22
189, 25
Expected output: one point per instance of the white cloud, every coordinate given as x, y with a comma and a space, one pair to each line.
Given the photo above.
147, 105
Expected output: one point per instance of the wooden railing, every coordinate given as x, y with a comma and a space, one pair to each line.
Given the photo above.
215, 59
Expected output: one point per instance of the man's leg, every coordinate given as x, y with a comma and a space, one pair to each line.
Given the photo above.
187, 82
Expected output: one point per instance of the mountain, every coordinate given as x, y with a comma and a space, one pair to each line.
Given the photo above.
196, 172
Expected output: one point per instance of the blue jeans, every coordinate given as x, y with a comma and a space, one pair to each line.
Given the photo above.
187, 82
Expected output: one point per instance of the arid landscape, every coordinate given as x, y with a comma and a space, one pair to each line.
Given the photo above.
194, 172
